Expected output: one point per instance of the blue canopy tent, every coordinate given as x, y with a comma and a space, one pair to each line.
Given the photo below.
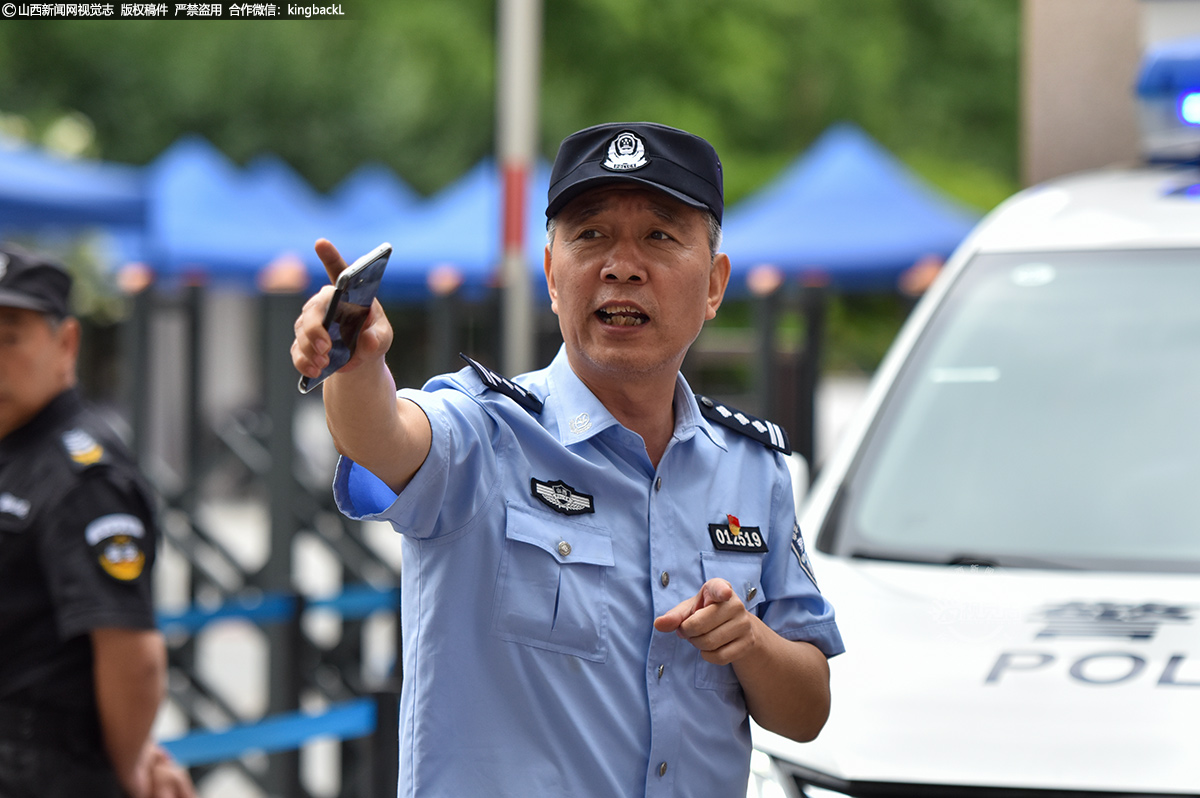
460, 228
210, 220
38, 189
207, 219
847, 211
371, 195
370, 206
268, 182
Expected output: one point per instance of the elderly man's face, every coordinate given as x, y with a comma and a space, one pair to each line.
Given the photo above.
632, 280
37, 362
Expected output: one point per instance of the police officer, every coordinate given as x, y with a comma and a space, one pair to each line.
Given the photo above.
82, 668
603, 578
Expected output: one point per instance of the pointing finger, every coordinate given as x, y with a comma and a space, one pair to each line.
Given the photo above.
671, 620
331, 259
715, 591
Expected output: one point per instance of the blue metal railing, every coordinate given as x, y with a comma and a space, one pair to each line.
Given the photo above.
347, 720
374, 716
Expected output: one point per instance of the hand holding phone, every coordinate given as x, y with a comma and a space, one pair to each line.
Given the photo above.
353, 294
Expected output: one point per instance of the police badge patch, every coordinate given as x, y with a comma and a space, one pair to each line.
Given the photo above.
801, 554
561, 497
625, 153
117, 541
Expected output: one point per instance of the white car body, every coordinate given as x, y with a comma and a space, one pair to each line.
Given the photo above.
960, 679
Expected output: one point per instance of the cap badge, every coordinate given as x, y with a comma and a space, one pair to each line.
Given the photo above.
625, 153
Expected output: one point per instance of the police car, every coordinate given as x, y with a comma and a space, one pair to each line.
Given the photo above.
1010, 531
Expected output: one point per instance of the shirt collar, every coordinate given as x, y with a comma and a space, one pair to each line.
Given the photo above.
580, 415
688, 418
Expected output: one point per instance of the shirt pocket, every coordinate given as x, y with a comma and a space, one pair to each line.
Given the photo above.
744, 573
551, 591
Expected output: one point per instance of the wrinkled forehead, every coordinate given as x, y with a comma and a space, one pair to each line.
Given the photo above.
625, 196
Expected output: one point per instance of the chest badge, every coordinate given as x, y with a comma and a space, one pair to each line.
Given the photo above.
561, 497
732, 536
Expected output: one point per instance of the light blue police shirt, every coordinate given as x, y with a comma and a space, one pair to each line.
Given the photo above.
538, 550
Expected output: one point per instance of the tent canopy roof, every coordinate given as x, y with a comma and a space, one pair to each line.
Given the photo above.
37, 188
847, 210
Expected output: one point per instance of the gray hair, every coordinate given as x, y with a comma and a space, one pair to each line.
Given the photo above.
714, 233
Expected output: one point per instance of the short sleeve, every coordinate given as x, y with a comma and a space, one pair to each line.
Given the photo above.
795, 608
98, 552
457, 480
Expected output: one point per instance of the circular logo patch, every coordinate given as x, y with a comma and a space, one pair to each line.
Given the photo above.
117, 541
122, 558
625, 152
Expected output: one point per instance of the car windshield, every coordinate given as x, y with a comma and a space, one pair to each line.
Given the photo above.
1049, 416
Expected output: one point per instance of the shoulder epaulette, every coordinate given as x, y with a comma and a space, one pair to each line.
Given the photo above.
82, 448
767, 433
505, 386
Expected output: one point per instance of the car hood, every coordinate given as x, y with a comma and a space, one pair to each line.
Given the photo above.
1020, 678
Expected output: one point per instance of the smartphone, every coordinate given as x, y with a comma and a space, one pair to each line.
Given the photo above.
353, 294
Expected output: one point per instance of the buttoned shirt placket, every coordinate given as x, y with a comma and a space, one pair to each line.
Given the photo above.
665, 555
661, 679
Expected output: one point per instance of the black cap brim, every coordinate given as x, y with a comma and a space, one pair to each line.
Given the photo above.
584, 185
14, 299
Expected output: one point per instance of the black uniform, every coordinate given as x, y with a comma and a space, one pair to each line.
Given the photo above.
77, 542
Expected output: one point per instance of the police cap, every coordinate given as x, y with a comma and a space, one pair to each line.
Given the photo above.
34, 283
683, 165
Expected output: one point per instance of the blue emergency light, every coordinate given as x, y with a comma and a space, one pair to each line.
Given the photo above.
1168, 91
1189, 108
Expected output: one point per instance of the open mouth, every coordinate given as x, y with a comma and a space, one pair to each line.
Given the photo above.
622, 316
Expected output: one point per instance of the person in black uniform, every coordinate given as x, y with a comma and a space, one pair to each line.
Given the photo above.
82, 667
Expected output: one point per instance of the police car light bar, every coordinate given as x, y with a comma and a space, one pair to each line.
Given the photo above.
1168, 91
1189, 108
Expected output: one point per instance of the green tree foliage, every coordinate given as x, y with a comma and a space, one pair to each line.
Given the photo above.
406, 83
410, 83
763, 78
